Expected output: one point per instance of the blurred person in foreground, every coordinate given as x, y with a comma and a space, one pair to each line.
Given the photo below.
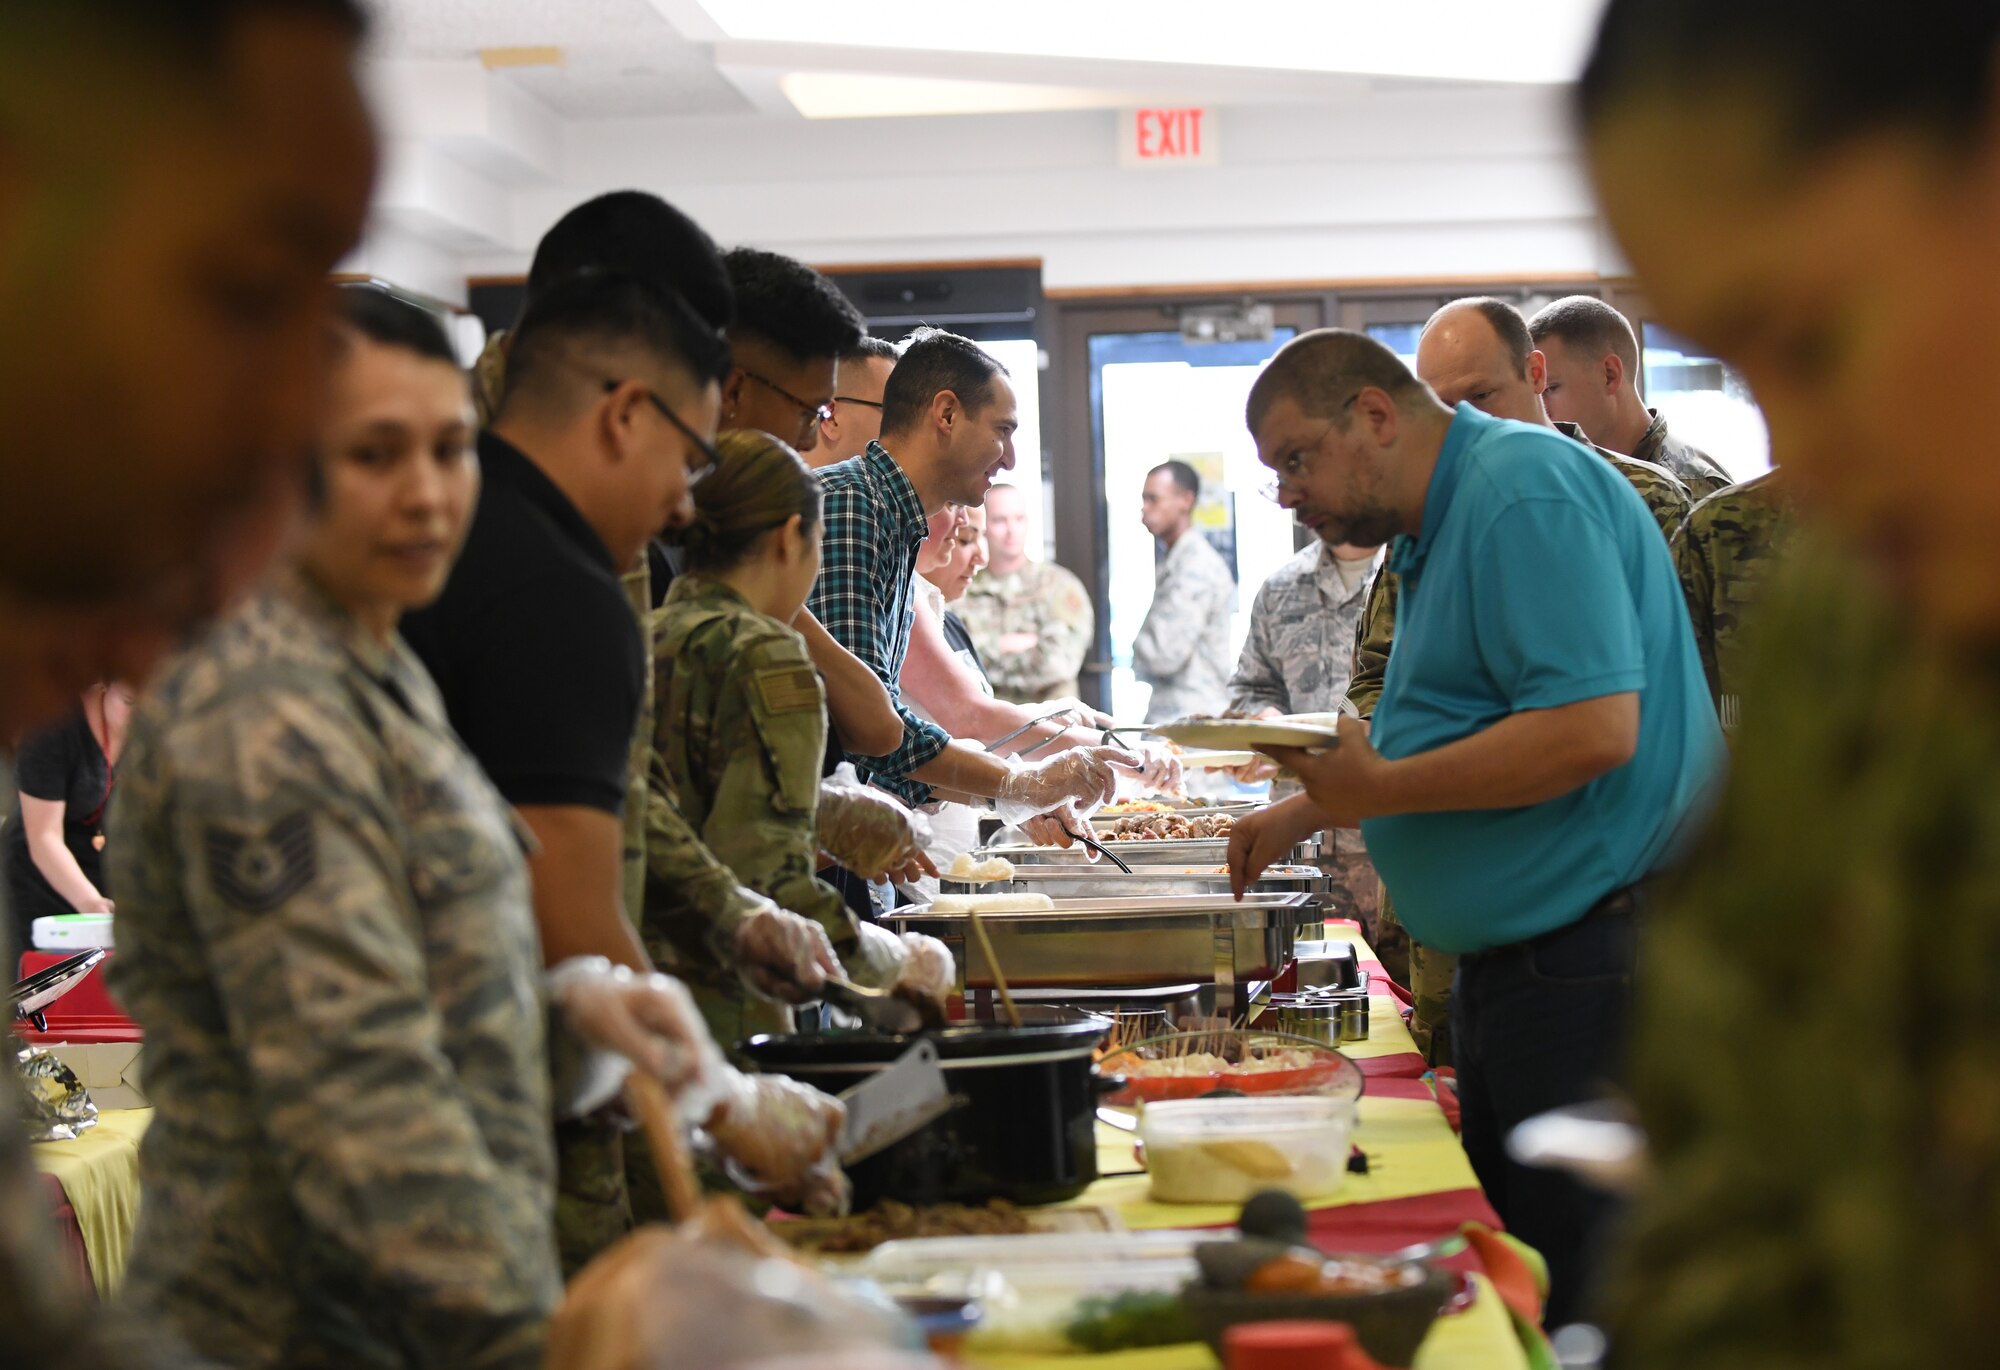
330, 943
176, 183
1543, 743
1818, 204
1593, 362
1477, 351
948, 424
1031, 618
741, 730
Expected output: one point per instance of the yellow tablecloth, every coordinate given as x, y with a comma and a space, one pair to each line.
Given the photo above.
100, 1173
1412, 1151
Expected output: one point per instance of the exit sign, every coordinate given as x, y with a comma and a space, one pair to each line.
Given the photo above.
1167, 137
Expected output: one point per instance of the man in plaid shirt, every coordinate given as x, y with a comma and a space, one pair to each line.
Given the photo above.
948, 421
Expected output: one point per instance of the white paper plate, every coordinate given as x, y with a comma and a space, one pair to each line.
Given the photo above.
1237, 733
1199, 760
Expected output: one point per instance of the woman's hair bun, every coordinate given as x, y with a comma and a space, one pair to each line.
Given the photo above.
759, 483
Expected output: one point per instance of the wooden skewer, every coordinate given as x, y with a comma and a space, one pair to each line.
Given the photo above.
663, 1138
993, 964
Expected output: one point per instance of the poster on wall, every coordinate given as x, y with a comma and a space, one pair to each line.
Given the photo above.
1215, 507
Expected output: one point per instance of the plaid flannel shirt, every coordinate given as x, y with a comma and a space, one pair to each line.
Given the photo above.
874, 524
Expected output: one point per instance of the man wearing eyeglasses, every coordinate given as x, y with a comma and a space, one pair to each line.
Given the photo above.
857, 410
792, 325
611, 402
1543, 740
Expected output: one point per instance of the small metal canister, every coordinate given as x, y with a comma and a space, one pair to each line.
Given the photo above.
1309, 1015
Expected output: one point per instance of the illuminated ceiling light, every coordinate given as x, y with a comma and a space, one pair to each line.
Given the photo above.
1438, 39
844, 95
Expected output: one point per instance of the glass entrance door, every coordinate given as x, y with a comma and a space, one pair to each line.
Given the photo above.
1151, 395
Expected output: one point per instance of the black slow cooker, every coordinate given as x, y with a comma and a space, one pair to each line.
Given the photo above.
1023, 1125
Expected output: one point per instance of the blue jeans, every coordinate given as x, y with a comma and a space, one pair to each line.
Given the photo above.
1540, 1025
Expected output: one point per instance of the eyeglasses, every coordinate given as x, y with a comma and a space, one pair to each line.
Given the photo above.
848, 399
710, 458
1293, 466
809, 413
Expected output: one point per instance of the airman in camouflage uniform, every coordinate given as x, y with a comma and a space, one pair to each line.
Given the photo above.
1431, 971
327, 934
1182, 648
1687, 463
741, 735
1727, 552
1824, 1196
1040, 598
1296, 659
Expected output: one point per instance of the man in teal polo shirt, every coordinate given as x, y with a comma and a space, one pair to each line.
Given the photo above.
1543, 740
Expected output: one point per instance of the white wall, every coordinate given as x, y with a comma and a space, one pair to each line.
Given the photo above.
1442, 181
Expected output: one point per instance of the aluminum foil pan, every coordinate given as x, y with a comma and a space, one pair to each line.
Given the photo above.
57, 1106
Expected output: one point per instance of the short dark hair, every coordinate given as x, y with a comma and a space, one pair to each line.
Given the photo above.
934, 361
381, 317
635, 234
1505, 320
788, 304
184, 30
601, 309
1832, 72
1589, 325
1321, 370
867, 347
1181, 474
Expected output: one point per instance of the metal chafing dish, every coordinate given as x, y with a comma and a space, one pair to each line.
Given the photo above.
1233, 948
1106, 881
1201, 851
1102, 820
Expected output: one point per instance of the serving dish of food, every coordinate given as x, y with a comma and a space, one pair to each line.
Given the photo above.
1188, 1065
891, 1221
1167, 827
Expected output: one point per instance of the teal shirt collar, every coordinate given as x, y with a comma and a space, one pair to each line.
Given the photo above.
1407, 554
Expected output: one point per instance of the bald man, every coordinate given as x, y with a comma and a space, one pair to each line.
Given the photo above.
1031, 620
1592, 358
1479, 352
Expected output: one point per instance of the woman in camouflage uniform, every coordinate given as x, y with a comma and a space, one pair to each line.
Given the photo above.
327, 935
741, 726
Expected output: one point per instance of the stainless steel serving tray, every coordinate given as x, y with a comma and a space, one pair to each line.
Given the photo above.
1211, 939
1206, 851
1106, 881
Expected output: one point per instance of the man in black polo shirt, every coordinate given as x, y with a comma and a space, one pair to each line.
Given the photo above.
611, 398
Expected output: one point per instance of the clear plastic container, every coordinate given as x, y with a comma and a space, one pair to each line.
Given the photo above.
1222, 1151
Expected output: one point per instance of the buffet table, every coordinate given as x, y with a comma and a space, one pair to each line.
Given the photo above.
1419, 1185
94, 1183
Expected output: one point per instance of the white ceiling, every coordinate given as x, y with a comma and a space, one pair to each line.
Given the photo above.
1339, 160
621, 59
